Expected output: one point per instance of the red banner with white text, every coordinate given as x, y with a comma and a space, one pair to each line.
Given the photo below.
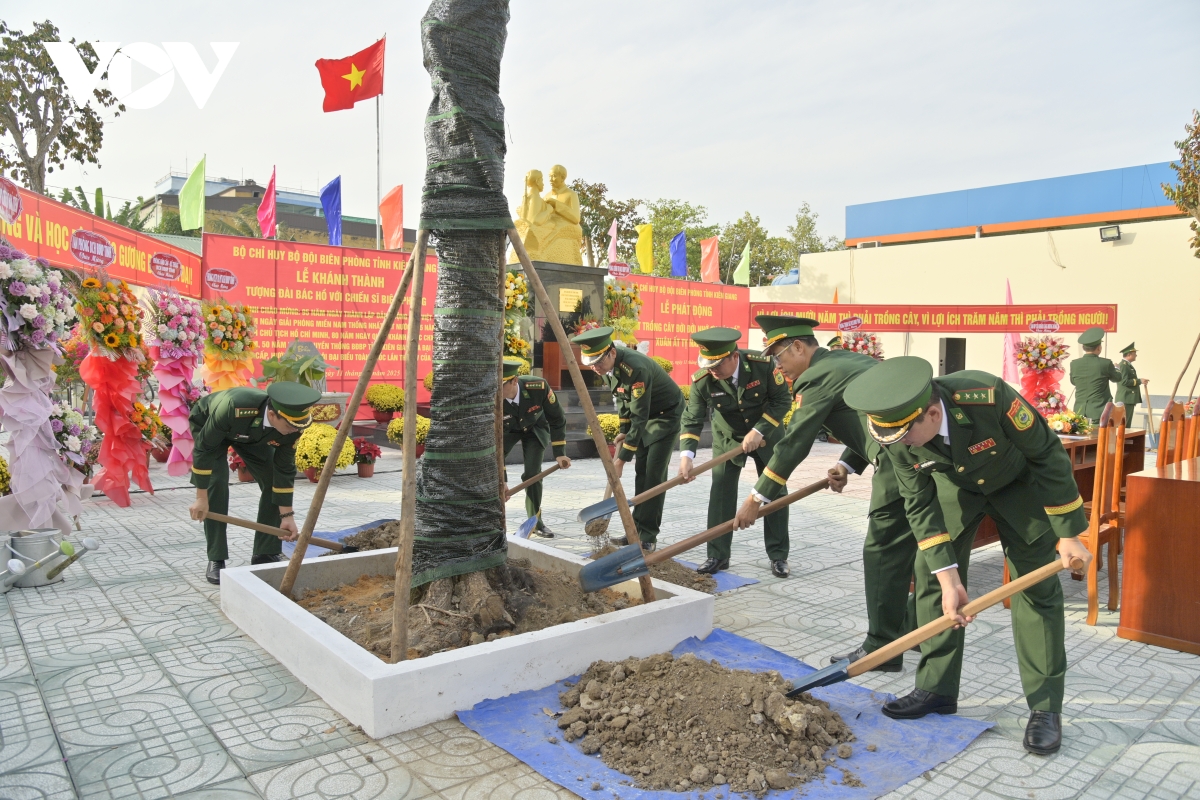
949, 318
673, 309
334, 297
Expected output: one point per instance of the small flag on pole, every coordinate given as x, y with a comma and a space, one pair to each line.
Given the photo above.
741, 275
645, 248
835, 296
349, 80
1012, 341
710, 260
612, 244
191, 199
391, 211
679, 255
266, 209
331, 201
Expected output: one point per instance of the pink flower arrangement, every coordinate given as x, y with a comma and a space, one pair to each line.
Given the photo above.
36, 307
1049, 401
866, 343
1041, 353
177, 324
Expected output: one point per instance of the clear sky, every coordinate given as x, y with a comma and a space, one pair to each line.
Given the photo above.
737, 106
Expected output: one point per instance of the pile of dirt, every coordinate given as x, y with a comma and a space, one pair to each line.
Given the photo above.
457, 612
686, 724
386, 535
672, 571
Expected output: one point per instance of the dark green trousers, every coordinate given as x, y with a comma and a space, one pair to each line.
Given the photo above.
888, 555
723, 504
1037, 621
258, 458
650, 465
533, 449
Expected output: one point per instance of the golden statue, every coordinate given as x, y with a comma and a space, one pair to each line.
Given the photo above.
535, 219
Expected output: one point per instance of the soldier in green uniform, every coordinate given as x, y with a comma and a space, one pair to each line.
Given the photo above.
1129, 386
819, 378
963, 446
649, 405
262, 427
748, 399
1090, 375
534, 417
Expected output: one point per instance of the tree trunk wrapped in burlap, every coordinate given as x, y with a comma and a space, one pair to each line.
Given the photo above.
459, 519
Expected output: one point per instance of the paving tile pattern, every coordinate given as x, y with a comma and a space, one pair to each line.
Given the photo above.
126, 680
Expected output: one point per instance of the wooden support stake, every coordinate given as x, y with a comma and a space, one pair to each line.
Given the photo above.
585, 400
318, 499
499, 423
408, 497
1183, 371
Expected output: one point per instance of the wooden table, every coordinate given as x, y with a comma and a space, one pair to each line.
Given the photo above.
1082, 452
1160, 591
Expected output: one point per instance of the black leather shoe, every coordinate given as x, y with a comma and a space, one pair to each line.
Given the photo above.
858, 652
780, 569
214, 572
1043, 734
268, 559
544, 532
619, 541
713, 566
918, 703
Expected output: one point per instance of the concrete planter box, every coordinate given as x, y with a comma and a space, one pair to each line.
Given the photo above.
389, 698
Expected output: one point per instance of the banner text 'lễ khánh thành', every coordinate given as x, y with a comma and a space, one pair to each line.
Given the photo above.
334, 297
673, 309
69, 238
1040, 319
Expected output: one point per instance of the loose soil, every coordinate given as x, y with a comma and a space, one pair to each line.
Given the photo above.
457, 612
685, 724
672, 571
386, 535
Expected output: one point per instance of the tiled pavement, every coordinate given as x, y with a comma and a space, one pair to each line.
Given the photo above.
127, 681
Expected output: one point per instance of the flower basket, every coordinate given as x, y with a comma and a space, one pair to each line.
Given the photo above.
314, 447
385, 400
366, 470
395, 432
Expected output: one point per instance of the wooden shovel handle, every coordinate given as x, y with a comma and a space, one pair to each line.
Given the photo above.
533, 480
655, 491
926, 632
670, 551
280, 532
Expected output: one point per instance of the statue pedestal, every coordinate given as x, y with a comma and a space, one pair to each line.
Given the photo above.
567, 285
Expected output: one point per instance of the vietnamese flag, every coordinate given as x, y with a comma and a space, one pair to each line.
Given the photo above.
348, 80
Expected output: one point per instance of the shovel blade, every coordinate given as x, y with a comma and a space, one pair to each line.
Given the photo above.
602, 509
834, 673
526, 528
627, 563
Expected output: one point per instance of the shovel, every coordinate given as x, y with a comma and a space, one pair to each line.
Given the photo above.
532, 481
609, 505
599, 526
842, 670
88, 544
630, 562
336, 547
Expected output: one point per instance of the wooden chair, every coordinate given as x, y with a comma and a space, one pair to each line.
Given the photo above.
1191, 437
1106, 514
1172, 441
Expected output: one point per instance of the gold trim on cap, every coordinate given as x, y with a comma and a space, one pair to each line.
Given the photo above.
306, 415
877, 421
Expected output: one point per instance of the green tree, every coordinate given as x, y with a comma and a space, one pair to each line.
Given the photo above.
1186, 193
804, 236
769, 255
672, 217
46, 127
245, 223
128, 214
171, 224
596, 214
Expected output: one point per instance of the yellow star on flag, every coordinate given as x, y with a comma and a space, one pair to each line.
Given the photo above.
355, 77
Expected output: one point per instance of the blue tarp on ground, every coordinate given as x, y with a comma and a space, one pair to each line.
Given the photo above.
333, 536
726, 581
906, 749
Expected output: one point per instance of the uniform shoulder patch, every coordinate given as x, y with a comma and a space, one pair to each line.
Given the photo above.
550, 398
1020, 415
242, 413
759, 357
639, 389
982, 396
779, 379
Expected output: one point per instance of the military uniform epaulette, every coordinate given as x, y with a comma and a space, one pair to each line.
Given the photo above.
699, 375
536, 383
759, 357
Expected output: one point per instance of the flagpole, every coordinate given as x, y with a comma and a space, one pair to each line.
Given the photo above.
378, 173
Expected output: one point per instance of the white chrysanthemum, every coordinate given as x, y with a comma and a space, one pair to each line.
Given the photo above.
73, 443
5, 271
29, 311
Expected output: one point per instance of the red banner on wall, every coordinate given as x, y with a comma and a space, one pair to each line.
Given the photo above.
673, 309
948, 318
335, 297
72, 239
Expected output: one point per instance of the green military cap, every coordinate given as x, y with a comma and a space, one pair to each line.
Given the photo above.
1092, 337
594, 344
293, 402
834, 342
511, 365
892, 395
715, 345
779, 328
1129, 348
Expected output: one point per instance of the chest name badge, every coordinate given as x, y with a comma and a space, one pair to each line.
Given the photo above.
242, 413
717, 394
924, 465
1021, 416
978, 448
